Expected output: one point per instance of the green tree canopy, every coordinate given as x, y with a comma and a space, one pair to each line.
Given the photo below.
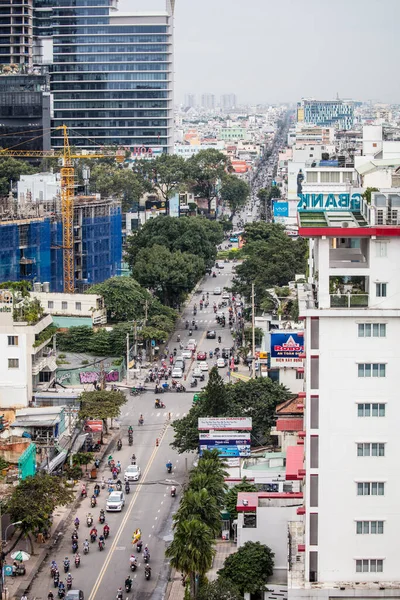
124, 298
249, 568
103, 404
234, 192
34, 500
221, 589
205, 170
199, 504
116, 180
195, 235
232, 495
171, 275
166, 173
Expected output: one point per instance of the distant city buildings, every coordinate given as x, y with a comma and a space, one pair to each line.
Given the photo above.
208, 101
326, 113
190, 101
228, 101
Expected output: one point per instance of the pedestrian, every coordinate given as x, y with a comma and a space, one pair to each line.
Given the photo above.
24, 596
249, 366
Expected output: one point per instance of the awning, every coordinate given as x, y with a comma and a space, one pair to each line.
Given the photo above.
78, 443
93, 426
294, 462
289, 425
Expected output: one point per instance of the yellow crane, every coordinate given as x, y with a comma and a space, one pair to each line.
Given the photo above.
67, 173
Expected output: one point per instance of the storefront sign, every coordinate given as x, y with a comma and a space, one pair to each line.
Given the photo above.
327, 202
286, 348
224, 423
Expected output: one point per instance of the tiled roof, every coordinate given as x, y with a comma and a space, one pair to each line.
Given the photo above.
289, 407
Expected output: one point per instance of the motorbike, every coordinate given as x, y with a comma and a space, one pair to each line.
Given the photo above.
74, 546
102, 517
186, 324
219, 339
77, 561
146, 558
127, 487
128, 586
196, 327
119, 486
101, 545
159, 404
169, 468
61, 592
83, 492
133, 566
119, 445
86, 550
202, 377
93, 537
193, 383
130, 440
140, 421
214, 274
178, 338
147, 573
53, 571
173, 491
93, 502
69, 583
139, 546
180, 388
66, 566
76, 523
56, 580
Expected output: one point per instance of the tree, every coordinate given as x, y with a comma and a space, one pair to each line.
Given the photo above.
234, 192
166, 173
102, 404
11, 170
76, 339
191, 551
124, 298
368, 193
34, 500
214, 395
116, 180
205, 170
231, 496
186, 434
171, 275
195, 235
199, 504
82, 458
201, 481
221, 589
249, 568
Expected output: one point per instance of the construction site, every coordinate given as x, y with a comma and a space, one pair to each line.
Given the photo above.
31, 241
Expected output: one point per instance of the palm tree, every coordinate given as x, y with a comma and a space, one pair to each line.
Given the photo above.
201, 481
191, 550
199, 504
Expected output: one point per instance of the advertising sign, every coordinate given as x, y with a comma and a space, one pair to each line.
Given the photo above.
174, 206
281, 211
224, 423
285, 349
225, 442
229, 451
329, 202
224, 435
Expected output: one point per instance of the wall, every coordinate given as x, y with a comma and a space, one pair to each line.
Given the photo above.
287, 377
272, 530
40, 187
87, 301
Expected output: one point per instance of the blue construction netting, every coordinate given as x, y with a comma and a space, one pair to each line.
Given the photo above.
57, 265
101, 246
9, 252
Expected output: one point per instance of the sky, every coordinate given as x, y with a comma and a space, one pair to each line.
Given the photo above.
268, 51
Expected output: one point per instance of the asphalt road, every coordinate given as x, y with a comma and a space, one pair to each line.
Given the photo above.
149, 505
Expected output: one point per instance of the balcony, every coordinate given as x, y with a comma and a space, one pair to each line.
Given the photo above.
349, 301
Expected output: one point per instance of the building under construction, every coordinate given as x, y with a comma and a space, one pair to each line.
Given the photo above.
31, 242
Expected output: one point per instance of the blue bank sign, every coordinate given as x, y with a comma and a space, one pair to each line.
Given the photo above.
325, 202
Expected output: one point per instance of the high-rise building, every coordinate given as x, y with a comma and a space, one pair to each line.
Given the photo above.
347, 544
208, 101
228, 101
190, 101
326, 113
16, 32
112, 75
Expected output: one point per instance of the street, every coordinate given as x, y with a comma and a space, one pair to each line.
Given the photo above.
149, 505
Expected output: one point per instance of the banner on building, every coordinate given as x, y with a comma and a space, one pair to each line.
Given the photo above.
224, 423
286, 348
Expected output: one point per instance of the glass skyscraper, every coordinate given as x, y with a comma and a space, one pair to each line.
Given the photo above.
112, 75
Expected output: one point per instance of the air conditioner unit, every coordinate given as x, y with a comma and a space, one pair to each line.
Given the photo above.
345, 224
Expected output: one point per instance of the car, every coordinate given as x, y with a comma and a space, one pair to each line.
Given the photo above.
219, 266
203, 365
225, 296
74, 595
180, 364
201, 355
211, 334
197, 372
190, 346
115, 502
177, 373
217, 291
221, 363
132, 473
193, 341
187, 353
226, 353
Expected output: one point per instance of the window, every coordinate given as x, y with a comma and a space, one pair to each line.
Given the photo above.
50, 304
12, 340
311, 177
371, 370
369, 565
370, 488
13, 363
370, 449
78, 306
381, 289
299, 375
371, 410
64, 305
372, 330
381, 249
367, 527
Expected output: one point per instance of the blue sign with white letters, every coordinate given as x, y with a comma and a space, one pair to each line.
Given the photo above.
281, 209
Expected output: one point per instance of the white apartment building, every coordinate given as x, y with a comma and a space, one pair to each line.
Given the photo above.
25, 363
73, 305
347, 545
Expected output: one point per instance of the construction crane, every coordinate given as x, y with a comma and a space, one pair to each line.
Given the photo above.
67, 173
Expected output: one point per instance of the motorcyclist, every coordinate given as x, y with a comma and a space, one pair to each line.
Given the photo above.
106, 530
66, 562
50, 595
130, 429
146, 553
76, 523
169, 466
132, 559
102, 541
128, 583
141, 419
77, 558
61, 586
133, 459
86, 545
119, 594
219, 339
93, 533
127, 487
69, 579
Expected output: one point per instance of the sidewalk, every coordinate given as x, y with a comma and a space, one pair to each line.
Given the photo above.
176, 591
16, 586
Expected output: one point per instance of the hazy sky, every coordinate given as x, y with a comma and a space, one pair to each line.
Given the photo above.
282, 50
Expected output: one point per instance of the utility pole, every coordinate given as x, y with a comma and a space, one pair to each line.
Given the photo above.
127, 358
136, 344
253, 334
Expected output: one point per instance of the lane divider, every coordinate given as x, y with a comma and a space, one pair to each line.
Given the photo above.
125, 520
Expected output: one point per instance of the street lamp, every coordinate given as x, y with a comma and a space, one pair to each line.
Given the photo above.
2, 555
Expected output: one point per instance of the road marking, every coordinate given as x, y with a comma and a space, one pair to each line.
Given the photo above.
125, 520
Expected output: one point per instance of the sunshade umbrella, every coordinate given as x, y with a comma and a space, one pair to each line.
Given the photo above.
20, 555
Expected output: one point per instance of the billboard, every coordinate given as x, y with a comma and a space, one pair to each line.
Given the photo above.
281, 210
228, 451
224, 435
329, 202
174, 206
224, 423
286, 348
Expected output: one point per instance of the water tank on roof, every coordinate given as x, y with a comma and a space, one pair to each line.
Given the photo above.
37, 287
46, 286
